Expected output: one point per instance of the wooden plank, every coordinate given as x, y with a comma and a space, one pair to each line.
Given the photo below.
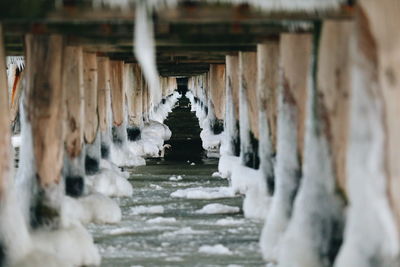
103, 92
5, 137
90, 95
44, 103
117, 91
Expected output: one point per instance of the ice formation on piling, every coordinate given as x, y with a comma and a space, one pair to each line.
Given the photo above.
287, 180
371, 235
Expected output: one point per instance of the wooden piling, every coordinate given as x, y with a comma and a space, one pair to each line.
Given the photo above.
103, 92
217, 89
5, 137
44, 104
117, 91
74, 99
90, 97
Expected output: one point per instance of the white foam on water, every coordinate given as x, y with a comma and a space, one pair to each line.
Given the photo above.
217, 208
215, 250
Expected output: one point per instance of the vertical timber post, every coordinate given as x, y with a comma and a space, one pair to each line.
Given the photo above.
44, 107
248, 109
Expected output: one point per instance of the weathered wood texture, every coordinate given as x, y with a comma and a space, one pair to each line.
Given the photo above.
382, 21
16, 92
103, 92
145, 97
117, 91
333, 85
248, 74
90, 95
295, 53
5, 137
217, 89
74, 99
232, 76
267, 84
44, 104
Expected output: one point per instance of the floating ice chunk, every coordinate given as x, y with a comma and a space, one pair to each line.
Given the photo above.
204, 193
147, 210
192, 163
175, 178
161, 220
229, 221
217, 208
215, 250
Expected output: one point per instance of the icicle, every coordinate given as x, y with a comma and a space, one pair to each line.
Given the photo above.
145, 50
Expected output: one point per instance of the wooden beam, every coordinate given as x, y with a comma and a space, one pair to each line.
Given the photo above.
217, 88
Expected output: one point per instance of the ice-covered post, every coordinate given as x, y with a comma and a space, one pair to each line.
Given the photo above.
134, 101
118, 102
294, 59
217, 97
373, 142
91, 127
44, 104
145, 99
314, 234
232, 104
104, 104
267, 86
248, 109
74, 120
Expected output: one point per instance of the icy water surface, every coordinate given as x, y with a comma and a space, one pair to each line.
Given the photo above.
159, 230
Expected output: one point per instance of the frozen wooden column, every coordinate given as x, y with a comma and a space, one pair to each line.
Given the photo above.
117, 92
137, 118
145, 99
319, 204
90, 96
91, 131
104, 104
44, 104
232, 103
74, 99
291, 95
372, 165
5, 137
267, 86
217, 92
74, 120
248, 109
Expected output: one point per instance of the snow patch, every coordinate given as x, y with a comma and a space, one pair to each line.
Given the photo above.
215, 250
217, 208
147, 210
204, 193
